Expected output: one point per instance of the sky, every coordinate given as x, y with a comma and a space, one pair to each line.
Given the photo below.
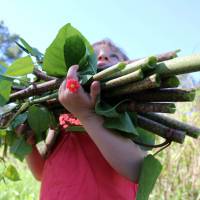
140, 28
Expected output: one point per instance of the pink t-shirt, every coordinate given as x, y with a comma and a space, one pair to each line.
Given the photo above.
76, 170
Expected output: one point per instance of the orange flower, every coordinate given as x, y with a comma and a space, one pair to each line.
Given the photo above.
72, 84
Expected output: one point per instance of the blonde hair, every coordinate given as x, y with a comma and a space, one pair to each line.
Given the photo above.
113, 47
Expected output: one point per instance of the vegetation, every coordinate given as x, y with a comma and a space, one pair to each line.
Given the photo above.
73, 48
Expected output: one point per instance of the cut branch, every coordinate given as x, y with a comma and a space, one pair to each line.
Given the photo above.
169, 82
191, 131
160, 95
147, 107
162, 57
148, 83
160, 129
179, 65
132, 77
36, 89
41, 75
144, 64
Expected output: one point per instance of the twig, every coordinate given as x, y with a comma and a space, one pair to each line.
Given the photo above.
36, 90
41, 75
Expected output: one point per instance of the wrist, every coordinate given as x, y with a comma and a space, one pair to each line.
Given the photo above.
90, 118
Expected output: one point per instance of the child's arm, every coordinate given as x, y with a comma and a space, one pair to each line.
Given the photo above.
34, 160
121, 153
35, 163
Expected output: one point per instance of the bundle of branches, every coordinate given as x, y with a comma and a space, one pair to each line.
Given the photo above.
133, 93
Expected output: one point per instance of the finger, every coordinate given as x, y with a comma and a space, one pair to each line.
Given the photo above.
22, 128
62, 88
72, 72
94, 91
30, 137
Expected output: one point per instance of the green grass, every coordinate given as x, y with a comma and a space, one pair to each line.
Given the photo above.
25, 189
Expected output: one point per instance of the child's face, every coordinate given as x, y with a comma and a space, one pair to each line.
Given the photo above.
106, 56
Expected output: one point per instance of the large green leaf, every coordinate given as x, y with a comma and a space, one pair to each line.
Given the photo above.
20, 119
54, 61
145, 137
39, 119
74, 50
20, 67
20, 148
150, 171
88, 64
5, 89
122, 123
106, 110
11, 173
115, 120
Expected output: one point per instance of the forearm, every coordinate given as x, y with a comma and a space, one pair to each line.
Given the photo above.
35, 163
121, 153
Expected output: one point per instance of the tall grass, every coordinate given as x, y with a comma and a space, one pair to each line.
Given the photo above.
180, 177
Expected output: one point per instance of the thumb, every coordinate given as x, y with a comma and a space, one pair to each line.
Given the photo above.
72, 72
94, 91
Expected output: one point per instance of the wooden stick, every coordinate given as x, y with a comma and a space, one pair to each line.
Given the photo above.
36, 89
132, 106
148, 83
159, 95
160, 129
191, 131
132, 77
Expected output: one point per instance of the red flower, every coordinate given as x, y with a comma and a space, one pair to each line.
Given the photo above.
66, 120
72, 84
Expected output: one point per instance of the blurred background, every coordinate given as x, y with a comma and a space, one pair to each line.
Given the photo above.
140, 28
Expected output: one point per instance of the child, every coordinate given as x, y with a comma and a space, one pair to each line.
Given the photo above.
95, 165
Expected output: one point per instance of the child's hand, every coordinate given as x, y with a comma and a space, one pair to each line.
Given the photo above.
79, 103
25, 130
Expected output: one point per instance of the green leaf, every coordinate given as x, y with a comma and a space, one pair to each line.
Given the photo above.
20, 119
11, 137
3, 64
5, 90
7, 78
54, 61
114, 120
20, 67
23, 80
74, 50
122, 123
85, 78
33, 51
3, 132
88, 63
11, 173
104, 109
75, 129
150, 171
145, 137
39, 120
20, 148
